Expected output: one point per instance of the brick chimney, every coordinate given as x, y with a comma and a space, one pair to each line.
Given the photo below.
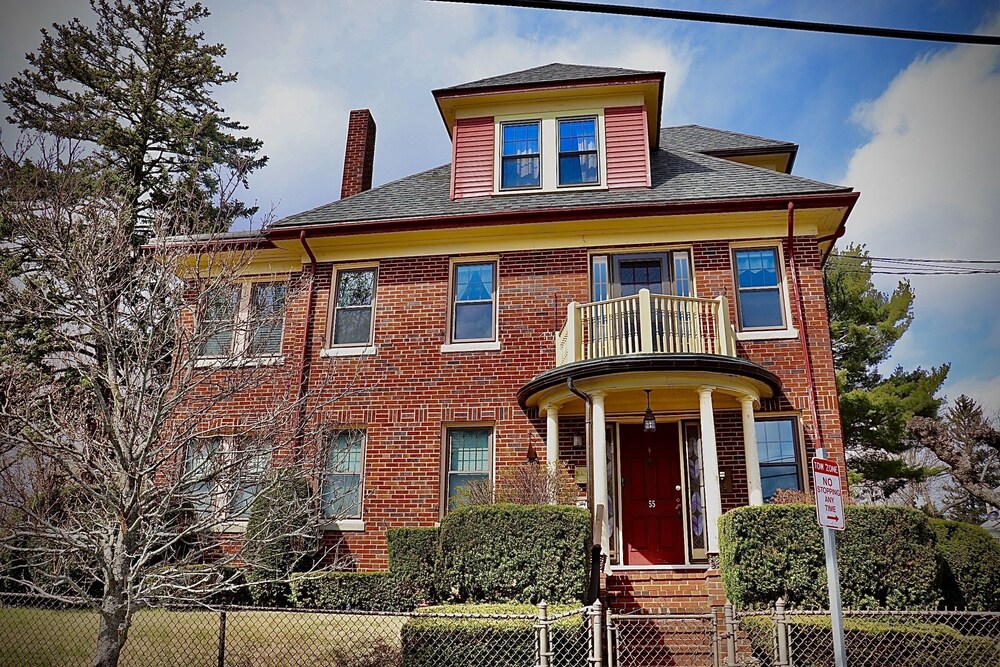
359, 157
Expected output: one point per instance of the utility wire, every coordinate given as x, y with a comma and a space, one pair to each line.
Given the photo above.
734, 19
914, 266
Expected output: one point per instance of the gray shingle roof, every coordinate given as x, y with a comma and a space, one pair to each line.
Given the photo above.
710, 140
677, 176
550, 73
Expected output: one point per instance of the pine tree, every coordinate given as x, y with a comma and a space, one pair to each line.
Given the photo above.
137, 91
865, 324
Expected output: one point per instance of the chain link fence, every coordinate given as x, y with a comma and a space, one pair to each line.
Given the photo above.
782, 637
39, 631
648, 639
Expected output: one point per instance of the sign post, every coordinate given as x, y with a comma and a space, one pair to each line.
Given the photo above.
830, 516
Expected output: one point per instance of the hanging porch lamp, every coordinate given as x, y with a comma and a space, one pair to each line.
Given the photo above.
649, 419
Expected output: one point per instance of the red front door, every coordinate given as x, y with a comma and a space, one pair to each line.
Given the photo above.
652, 520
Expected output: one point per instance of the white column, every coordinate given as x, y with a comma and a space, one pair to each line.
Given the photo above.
551, 435
600, 467
710, 457
756, 494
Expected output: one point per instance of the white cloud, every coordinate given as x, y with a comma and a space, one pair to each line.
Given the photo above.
928, 178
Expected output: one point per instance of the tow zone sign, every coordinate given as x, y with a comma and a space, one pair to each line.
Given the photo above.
829, 496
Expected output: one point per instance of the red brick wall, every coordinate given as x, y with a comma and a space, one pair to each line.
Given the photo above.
406, 393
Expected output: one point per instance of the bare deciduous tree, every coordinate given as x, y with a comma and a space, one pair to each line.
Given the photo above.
120, 475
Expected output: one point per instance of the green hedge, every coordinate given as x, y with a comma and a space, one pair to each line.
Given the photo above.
412, 556
886, 557
435, 641
970, 567
514, 553
359, 591
872, 643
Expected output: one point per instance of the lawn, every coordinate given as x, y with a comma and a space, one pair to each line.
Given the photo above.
161, 638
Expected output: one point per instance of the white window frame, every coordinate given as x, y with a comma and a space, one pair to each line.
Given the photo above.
350, 349
472, 345
559, 152
607, 256
348, 524
549, 150
798, 435
786, 330
242, 335
446, 471
222, 489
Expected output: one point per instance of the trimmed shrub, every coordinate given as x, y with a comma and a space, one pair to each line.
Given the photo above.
886, 556
358, 591
872, 643
412, 555
970, 567
514, 553
436, 641
271, 551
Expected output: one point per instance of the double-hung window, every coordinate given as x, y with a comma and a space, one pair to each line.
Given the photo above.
218, 321
467, 456
521, 155
242, 321
223, 475
267, 317
354, 306
761, 303
578, 152
777, 452
473, 307
344, 475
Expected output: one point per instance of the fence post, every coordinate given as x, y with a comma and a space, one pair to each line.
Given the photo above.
596, 645
730, 636
222, 638
645, 322
543, 635
781, 628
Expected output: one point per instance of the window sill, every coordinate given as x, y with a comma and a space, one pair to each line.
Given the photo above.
639, 568
775, 334
349, 351
239, 362
542, 191
346, 526
478, 346
236, 526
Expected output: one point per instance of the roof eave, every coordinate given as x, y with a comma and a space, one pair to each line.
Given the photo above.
838, 198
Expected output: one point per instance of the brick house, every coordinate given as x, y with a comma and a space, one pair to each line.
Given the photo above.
643, 303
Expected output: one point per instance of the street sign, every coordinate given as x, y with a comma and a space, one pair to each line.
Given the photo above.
829, 494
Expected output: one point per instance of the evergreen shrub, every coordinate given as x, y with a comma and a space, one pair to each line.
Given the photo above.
412, 558
970, 565
357, 591
886, 558
514, 553
433, 641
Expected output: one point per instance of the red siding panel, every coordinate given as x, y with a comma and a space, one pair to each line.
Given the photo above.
627, 147
472, 158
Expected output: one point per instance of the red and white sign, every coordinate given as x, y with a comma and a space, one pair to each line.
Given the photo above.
829, 495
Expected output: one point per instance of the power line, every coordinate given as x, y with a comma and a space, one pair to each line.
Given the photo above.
914, 266
734, 19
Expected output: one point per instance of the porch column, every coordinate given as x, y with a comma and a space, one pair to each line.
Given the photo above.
710, 457
756, 493
551, 435
600, 463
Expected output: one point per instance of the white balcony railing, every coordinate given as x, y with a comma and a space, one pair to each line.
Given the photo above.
645, 323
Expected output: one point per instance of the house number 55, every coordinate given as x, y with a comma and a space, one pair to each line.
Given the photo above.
652, 504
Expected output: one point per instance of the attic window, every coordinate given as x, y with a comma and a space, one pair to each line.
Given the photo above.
521, 158
578, 151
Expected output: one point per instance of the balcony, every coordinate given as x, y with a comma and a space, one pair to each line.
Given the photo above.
645, 323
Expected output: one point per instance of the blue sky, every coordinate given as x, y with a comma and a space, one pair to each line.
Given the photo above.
914, 126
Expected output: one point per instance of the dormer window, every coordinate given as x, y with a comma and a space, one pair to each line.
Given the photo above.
521, 157
578, 163
548, 151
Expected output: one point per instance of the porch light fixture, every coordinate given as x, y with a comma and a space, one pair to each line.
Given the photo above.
649, 419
